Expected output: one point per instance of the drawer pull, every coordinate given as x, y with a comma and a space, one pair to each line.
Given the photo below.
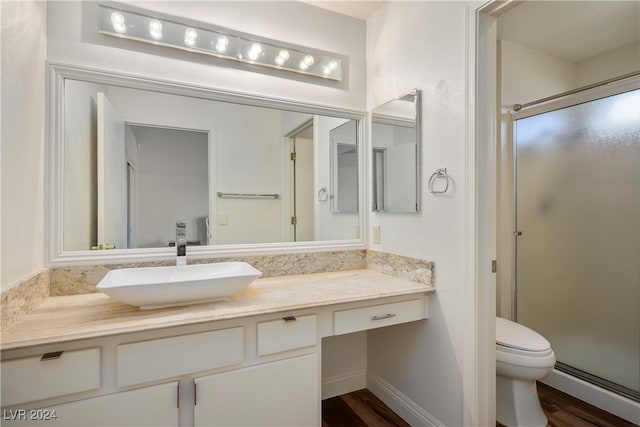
51, 356
383, 316
289, 319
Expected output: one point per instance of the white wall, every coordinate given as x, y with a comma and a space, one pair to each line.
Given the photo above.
72, 39
528, 74
611, 64
22, 151
423, 45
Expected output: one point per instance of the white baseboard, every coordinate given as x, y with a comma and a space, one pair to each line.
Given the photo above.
604, 399
399, 403
346, 383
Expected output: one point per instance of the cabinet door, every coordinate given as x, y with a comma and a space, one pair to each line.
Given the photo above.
150, 406
282, 393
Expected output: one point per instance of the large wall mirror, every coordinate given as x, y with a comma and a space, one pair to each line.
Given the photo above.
130, 157
395, 136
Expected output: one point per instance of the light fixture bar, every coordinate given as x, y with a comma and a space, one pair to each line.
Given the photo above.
221, 43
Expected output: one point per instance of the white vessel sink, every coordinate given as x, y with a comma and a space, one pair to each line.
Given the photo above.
156, 287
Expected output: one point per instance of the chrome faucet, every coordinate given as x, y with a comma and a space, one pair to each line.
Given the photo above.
181, 243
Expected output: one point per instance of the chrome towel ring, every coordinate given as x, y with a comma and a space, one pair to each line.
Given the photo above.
439, 174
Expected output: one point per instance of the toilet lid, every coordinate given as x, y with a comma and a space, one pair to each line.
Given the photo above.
514, 335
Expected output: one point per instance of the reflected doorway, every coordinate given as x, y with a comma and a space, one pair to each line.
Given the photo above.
302, 182
168, 181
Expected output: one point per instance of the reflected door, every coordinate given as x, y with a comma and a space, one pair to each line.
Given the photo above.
302, 181
112, 177
578, 257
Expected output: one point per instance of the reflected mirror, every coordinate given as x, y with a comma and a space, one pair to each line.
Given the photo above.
135, 161
344, 168
395, 130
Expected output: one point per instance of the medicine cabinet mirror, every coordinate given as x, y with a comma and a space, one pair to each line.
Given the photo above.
130, 157
395, 136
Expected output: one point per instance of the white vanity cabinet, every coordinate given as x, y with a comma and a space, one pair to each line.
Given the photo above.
148, 406
158, 359
176, 369
50, 374
281, 393
281, 389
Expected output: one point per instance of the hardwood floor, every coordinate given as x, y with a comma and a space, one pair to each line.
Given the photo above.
563, 410
358, 409
362, 409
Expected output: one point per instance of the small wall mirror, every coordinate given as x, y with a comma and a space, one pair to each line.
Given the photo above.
395, 135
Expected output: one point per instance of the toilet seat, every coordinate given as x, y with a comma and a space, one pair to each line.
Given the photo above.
518, 345
542, 359
519, 339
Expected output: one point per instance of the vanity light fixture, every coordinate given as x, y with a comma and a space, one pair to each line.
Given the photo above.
218, 42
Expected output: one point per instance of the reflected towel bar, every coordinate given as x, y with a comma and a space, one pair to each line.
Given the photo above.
248, 196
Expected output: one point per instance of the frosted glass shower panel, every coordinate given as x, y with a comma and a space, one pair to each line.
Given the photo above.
578, 258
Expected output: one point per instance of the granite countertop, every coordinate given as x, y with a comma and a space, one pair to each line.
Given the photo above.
75, 317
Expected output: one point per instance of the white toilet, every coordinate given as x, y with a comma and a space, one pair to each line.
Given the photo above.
522, 357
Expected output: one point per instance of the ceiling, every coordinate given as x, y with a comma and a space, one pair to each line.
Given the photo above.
360, 9
572, 30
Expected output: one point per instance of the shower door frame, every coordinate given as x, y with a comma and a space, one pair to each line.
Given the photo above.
508, 152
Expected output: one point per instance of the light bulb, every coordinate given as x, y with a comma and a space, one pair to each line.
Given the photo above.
221, 44
282, 57
284, 54
155, 29
190, 36
117, 21
255, 51
306, 62
330, 67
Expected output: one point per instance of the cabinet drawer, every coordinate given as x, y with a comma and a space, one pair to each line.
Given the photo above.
287, 333
50, 375
169, 357
360, 319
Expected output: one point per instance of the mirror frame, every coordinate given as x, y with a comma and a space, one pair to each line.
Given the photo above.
54, 169
418, 126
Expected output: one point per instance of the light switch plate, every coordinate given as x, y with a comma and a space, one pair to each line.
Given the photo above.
223, 218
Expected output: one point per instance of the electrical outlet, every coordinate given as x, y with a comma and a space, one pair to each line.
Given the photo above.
376, 234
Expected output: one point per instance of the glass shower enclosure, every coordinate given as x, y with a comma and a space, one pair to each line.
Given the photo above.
577, 197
